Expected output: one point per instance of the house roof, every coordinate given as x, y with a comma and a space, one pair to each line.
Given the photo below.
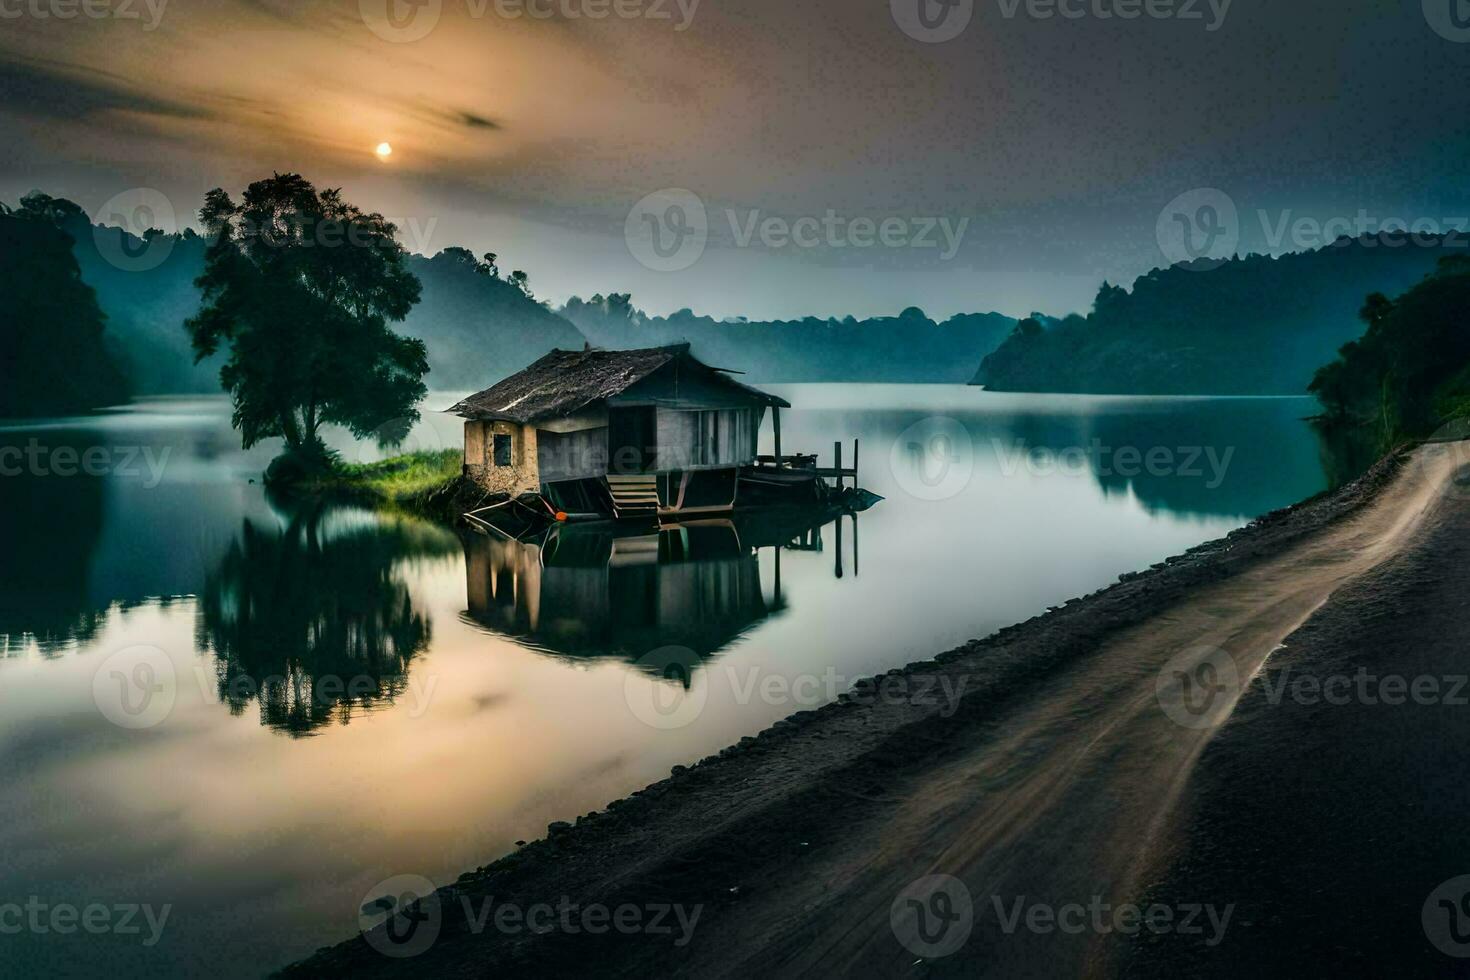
564, 382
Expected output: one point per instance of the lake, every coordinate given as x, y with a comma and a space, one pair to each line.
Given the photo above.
246, 712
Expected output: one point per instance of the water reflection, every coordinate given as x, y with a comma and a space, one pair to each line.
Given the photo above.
657, 597
315, 619
52, 526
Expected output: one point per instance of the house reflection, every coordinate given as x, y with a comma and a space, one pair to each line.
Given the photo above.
604, 590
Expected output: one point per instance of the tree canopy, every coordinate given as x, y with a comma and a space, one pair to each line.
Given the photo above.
1410, 371
299, 287
53, 352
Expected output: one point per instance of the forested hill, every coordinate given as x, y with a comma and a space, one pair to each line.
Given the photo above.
907, 348
478, 326
1254, 325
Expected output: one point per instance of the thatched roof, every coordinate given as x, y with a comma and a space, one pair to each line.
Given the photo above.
564, 382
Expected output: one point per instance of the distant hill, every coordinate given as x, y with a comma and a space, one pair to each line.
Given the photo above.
477, 326
1255, 325
907, 348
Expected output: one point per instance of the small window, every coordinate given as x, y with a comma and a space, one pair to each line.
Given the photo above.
502, 449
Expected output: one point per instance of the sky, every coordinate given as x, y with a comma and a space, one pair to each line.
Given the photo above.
766, 158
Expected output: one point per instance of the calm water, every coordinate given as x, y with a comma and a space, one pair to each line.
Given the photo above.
253, 710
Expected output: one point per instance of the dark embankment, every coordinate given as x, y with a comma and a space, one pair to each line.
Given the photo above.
790, 841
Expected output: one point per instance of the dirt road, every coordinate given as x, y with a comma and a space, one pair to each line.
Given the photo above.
1006, 835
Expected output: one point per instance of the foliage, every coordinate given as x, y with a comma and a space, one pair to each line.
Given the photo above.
314, 621
401, 480
1254, 325
54, 353
299, 287
909, 347
1408, 373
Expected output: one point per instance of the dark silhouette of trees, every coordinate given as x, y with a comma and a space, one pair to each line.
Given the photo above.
1410, 371
1254, 325
299, 287
54, 357
314, 621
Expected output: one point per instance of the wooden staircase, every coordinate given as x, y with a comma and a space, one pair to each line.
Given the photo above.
633, 496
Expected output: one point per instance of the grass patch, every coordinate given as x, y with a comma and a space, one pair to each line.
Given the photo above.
404, 480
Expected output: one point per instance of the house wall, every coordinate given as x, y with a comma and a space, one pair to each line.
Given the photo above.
572, 455
521, 476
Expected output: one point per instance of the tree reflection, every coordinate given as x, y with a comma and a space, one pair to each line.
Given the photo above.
314, 621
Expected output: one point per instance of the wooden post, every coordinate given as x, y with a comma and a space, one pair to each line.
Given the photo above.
837, 452
776, 425
837, 570
854, 546
854, 483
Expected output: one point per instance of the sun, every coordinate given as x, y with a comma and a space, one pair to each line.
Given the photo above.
384, 150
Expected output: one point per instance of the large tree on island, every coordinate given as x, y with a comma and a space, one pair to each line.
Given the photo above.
300, 286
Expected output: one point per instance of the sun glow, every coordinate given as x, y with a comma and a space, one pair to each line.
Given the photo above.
384, 151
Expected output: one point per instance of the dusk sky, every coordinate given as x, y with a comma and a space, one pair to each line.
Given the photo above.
1044, 147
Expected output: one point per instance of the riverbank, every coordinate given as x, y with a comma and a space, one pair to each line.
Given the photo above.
423, 484
1055, 777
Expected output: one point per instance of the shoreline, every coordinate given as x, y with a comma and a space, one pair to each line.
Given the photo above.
717, 833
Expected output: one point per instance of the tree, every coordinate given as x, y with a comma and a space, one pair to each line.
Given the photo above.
522, 282
300, 286
54, 353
